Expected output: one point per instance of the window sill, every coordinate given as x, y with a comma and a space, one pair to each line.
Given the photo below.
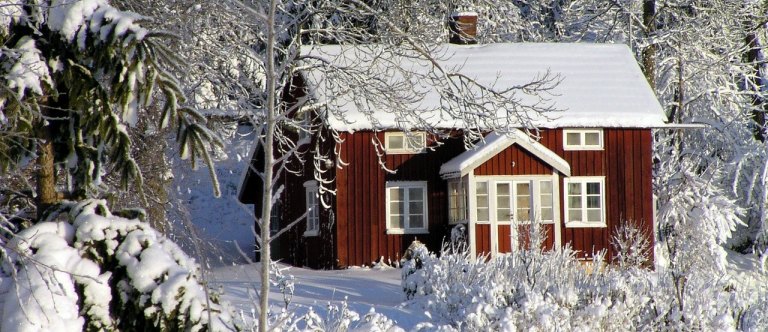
579, 224
400, 231
311, 233
583, 148
406, 151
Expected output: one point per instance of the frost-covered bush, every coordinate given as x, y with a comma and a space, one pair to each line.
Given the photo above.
533, 289
97, 271
631, 244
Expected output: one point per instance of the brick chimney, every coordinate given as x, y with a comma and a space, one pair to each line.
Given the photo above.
463, 27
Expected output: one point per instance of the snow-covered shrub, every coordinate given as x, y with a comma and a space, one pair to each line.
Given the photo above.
413, 278
534, 289
632, 245
97, 271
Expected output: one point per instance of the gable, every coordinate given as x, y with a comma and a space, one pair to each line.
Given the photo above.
493, 144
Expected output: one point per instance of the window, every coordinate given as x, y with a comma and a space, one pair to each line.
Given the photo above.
481, 195
313, 209
406, 207
583, 139
402, 143
546, 202
585, 202
457, 202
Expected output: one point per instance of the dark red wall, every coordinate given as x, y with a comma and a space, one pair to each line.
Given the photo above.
361, 209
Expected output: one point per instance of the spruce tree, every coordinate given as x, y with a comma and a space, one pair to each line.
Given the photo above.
74, 75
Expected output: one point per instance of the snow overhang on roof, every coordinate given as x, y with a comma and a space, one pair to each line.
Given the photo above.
492, 145
601, 85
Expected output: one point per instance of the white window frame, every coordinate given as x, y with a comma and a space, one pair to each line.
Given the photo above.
313, 216
406, 223
583, 180
408, 140
462, 200
582, 134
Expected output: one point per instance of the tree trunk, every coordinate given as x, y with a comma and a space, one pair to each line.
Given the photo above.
46, 173
266, 207
649, 53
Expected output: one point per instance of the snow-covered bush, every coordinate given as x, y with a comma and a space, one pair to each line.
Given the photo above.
97, 271
631, 244
533, 289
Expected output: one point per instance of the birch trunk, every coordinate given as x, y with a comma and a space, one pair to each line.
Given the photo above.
266, 209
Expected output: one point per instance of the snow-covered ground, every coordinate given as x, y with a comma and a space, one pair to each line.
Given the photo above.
223, 223
362, 288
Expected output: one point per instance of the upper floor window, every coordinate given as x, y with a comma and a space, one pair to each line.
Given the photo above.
406, 207
585, 201
583, 139
403, 143
313, 209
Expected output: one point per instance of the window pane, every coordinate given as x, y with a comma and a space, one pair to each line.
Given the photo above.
594, 215
396, 208
482, 188
416, 222
593, 188
502, 202
396, 194
415, 208
574, 189
574, 202
502, 189
545, 187
453, 188
395, 142
593, 202
482, 214
396, 221
573, 139
523, 189
592, 139
523, 215
523, 202
503, 215
546, 200
574, 215
482, 201
416, 141
415, 194
546, 214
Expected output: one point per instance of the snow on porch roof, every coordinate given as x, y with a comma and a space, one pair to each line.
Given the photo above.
601, 84
492, 145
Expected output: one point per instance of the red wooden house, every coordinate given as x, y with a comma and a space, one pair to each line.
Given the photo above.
587, 172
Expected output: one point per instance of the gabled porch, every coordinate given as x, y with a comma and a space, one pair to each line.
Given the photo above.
500, 186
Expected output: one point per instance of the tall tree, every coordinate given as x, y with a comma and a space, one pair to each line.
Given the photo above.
76, 75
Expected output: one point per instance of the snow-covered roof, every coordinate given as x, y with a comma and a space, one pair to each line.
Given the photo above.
601, 84
492, 145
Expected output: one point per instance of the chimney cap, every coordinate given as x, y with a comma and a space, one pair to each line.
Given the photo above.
464, 13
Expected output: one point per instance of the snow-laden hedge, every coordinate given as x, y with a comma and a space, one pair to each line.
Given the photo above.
532, 290
97, 271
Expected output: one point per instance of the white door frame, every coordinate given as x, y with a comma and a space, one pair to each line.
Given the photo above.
535, 205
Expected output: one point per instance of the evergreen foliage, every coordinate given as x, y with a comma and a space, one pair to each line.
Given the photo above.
84, 71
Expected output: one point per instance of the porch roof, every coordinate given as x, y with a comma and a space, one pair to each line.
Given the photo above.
492, 145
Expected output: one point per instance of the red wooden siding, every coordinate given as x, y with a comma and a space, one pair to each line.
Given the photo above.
625, 162
483, 236
358, 236
514, 161
293, 247
361, 212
